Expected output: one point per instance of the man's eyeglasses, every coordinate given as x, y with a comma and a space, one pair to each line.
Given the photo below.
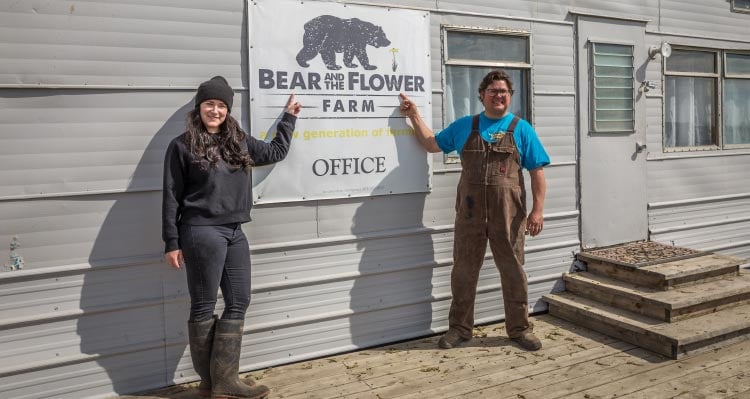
494, 92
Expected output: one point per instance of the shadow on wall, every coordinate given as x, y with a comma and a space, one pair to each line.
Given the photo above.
134, 305
392, 296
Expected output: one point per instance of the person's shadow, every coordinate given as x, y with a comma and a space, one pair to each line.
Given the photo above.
392, 295
134, 306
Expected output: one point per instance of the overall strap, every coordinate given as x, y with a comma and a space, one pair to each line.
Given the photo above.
475, 123
513, 124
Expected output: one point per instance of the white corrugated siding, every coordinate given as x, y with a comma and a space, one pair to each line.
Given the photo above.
140, 43
553, 10
703, 18
96, 313
701, 202
80, 188
697, 199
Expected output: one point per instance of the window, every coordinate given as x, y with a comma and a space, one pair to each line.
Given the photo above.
695, 90
741, 5
690, 99
737, 100
469, 55
612, 88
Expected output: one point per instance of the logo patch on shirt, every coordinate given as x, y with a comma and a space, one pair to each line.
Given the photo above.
497, 136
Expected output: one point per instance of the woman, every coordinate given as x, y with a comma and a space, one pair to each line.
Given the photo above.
207, 197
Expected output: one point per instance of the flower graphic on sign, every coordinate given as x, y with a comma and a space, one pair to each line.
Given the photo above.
394, 65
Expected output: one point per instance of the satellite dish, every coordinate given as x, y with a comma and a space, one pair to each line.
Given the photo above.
665, 50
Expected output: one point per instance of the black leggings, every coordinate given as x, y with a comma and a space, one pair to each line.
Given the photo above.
216, 257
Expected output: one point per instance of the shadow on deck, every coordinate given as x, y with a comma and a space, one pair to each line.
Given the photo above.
574, 362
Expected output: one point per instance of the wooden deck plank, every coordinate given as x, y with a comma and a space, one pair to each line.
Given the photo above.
668, 371
342, 374
586, 362
680, 300
729, 387
460, 377
683, 332
358, 388
483, 355
692, 382
568, 381
689, 267
670, 274
378, 365
483, 383
742, 395
463, 377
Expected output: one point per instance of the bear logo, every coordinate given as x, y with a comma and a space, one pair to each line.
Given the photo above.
327, 35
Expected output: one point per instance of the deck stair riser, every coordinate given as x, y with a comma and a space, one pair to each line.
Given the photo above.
668, 275
677, 339
672, 300
670, 305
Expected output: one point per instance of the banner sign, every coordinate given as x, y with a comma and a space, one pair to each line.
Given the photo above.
346, 64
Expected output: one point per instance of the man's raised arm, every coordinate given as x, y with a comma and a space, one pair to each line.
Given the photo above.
424, 134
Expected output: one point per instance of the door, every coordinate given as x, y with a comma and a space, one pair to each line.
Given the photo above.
612, 161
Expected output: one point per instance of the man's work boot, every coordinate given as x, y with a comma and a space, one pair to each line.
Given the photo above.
451, 339
528, 341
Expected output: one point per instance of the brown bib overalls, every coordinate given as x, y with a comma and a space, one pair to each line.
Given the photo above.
490, 204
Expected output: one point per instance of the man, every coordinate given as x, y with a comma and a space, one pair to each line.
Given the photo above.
490, 204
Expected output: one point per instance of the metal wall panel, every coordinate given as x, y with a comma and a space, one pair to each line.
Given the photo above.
75, 141
637, 9
554, 121
711, 224
553, 51
514, 8
553, 10
93, 229
703, 18
104, 43
283, 222
96, 313
697, 199
561, 190
654, 98
654, 124
439, 210
702, 203
408, 3
88, 332
697, 177
483, 22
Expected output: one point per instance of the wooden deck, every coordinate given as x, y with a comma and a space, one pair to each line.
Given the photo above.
574, 363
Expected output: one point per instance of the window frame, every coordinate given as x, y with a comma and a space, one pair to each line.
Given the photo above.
592, 87
717, 100
447, 62
726, 75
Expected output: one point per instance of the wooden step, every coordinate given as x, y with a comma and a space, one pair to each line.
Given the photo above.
688, 336
670, 274
669, 305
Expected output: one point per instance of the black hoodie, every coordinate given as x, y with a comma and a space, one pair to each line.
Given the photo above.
214, 196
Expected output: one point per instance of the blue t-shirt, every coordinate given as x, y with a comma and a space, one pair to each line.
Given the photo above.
532, 153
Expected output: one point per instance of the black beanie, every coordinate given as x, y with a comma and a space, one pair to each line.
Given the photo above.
215, 88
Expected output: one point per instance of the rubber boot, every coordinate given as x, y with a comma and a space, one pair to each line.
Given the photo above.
201, 336
225, 364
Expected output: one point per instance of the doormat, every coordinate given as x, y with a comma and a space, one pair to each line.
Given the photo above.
640, 254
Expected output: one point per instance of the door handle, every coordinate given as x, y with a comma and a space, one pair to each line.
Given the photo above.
640, 147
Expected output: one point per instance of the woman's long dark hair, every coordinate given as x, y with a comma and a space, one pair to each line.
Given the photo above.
208, 148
